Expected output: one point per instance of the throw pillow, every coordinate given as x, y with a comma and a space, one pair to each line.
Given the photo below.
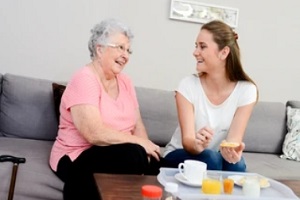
291, 144
58, 90
293, 104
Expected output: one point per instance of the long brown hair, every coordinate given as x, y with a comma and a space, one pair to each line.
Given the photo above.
224, 36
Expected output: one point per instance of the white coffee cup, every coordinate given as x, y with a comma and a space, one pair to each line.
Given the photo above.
192, 170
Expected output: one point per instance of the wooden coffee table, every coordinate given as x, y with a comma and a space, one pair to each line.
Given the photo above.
114, 186
128, 187
293, 184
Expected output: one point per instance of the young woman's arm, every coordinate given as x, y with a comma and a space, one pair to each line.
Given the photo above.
191, 141
236, 133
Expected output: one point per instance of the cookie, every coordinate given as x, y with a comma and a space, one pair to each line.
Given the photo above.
229, 144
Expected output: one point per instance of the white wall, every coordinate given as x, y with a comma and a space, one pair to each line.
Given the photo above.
48, 39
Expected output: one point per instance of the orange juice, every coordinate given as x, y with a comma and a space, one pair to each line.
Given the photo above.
228, 185
211, 186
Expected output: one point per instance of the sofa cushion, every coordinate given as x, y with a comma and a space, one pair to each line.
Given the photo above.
293, 104
272, 166
158, 112
27, 108
266, 128
58, 90
291, 145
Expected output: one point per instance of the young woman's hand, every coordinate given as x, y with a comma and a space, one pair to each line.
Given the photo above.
232, 154
203, 138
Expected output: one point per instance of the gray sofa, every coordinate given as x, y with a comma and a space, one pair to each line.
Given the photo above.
28, 127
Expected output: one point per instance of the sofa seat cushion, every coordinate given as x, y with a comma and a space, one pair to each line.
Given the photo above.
27, 108
272, 166
40, 181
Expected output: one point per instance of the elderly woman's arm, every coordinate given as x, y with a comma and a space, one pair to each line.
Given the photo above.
88, 121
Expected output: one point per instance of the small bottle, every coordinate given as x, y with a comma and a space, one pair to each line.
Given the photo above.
171, 190
151, 192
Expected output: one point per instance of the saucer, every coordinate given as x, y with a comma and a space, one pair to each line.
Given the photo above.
183, 180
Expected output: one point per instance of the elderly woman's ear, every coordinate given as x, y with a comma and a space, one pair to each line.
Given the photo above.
99, 49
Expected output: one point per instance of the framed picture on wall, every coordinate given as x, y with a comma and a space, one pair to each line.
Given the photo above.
198, 12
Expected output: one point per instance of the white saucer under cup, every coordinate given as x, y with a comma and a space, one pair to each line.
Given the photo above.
183, 180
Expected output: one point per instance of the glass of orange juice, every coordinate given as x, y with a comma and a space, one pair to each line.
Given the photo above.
228, 185
212, 184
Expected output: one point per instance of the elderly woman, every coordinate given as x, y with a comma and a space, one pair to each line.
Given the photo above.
101, 130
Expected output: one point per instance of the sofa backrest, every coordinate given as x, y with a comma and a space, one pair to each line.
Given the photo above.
27, 108
266, 128
158, 112
265, 131
27, 111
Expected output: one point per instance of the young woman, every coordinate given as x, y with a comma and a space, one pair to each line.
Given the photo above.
213, 105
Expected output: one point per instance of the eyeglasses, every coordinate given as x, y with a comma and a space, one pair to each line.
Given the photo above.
121, 48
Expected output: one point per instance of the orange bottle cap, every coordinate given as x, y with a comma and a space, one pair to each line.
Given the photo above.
151, 191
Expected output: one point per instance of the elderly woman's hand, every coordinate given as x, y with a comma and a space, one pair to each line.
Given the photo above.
151, 148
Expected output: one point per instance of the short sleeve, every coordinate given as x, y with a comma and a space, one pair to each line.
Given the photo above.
248, 94
185, 87
83, 88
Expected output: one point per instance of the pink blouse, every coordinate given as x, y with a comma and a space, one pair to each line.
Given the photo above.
84, 88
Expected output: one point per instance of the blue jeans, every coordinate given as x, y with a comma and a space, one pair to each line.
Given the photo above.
213, 159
